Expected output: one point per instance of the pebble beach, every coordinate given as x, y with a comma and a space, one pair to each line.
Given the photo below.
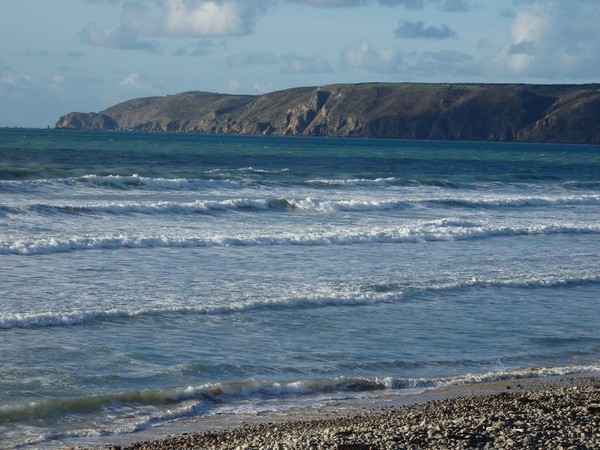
559, 413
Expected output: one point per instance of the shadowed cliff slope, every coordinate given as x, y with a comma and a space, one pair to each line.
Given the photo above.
498, 112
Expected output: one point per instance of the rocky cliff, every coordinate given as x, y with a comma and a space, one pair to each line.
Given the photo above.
499, 112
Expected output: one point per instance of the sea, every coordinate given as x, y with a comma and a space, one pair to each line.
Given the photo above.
152, 278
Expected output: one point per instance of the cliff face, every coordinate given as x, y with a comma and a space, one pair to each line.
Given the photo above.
92, 121
536, 113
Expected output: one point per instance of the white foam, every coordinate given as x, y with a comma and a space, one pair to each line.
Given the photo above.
538, 372
234, 391
136, 181
309, 204
77, 317
122, 182
308, 297
437, 230
354, 182
496, 201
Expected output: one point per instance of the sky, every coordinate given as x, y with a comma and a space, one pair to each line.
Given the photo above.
58, 56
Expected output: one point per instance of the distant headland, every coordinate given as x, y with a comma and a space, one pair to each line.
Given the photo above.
479, 112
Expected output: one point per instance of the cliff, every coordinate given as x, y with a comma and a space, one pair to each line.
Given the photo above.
498, 112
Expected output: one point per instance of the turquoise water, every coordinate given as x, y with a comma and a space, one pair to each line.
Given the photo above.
151, 278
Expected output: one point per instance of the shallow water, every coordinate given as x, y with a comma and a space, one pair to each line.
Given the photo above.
149, 278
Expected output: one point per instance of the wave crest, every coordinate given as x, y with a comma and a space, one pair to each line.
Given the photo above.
352, 297
436, 230
309, 204
229, 393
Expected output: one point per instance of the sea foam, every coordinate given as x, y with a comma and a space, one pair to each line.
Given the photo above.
308, 204
437, 230
297, 299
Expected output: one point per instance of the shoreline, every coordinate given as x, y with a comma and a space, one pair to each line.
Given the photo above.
545, 412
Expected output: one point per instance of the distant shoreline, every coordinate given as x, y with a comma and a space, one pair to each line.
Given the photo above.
422, 111
45, 129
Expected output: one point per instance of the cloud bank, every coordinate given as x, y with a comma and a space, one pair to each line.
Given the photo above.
116, 37
551, 38
175, 19
218, 18
195, 18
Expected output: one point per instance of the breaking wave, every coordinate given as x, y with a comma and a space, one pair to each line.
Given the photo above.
354, 297
437, 230
120, 182
233, 396
300, 204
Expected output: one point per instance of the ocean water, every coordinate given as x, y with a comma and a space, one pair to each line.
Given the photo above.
147, 279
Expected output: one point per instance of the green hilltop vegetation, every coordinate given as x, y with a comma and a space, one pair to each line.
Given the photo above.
494, 112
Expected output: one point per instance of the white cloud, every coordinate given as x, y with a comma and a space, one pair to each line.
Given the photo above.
203, 19
363, 56
552, 39
114, 36
136, 81
175, 19
195, 18
533, 24
14, 79
417, 30
214, 18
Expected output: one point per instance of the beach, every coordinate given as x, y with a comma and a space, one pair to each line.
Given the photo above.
557, 412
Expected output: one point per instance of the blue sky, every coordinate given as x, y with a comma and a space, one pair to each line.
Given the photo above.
85, 55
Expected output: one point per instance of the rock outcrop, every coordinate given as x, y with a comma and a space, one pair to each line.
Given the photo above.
92, 121
497, 112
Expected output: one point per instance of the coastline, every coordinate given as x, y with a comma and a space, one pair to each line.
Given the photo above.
545, 412
438, 111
